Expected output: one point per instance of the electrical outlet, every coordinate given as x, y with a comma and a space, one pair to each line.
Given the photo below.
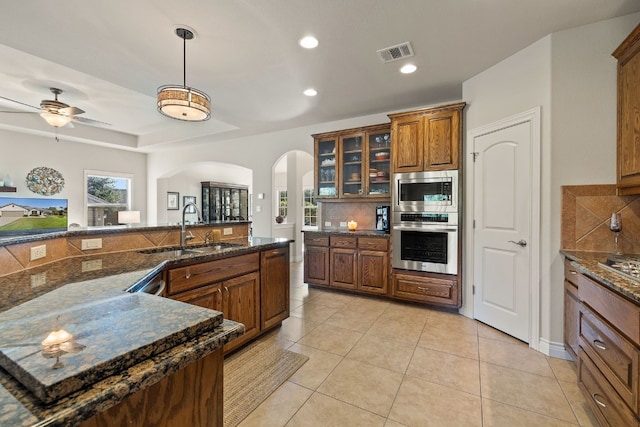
92, 265
38, 252
327, 223
343, 224
227, 231
91, 244
258, 208
39, 279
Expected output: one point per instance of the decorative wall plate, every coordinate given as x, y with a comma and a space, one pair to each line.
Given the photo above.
45, 181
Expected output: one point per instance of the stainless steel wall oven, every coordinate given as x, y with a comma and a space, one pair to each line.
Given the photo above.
425, 241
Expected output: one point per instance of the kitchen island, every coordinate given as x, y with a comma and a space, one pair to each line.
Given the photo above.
164, 358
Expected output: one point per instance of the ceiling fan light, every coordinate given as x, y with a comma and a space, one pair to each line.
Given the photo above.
184, 103
55, 120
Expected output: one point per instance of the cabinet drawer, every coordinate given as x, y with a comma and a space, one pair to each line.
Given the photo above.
342, 242
608, 407
426, 289
189, 277
616, 357
621, 313
570, 272
316, 240
372, 243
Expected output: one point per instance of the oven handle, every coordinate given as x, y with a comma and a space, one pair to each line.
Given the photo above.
425, 228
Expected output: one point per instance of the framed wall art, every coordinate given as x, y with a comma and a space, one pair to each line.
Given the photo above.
173, 201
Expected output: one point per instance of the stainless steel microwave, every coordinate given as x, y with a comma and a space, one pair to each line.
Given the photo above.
434, 191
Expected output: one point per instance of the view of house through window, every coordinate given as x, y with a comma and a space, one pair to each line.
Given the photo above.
106, 195
310, 208
282, 203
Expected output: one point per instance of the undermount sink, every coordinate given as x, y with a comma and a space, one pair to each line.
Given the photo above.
191, 250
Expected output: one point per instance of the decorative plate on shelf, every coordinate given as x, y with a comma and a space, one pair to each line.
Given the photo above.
45, 181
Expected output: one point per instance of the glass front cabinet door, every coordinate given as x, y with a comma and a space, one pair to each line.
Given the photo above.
353, 163
351, 149
379, 162
326, 169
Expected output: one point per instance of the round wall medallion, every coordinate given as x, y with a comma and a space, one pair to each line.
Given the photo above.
45, 181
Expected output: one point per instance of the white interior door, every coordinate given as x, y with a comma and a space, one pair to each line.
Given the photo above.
502, 234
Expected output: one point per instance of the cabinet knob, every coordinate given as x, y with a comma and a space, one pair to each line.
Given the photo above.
187, 274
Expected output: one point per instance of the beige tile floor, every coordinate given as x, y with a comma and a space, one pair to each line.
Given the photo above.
382, 363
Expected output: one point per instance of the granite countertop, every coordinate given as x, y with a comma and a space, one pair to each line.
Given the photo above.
125, 341
357, 233
587, 263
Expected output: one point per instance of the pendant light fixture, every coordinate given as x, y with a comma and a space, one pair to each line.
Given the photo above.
184, 102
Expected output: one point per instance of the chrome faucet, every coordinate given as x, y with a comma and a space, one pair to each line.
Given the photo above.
184, 237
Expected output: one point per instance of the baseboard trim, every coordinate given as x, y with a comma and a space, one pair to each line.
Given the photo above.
553, 349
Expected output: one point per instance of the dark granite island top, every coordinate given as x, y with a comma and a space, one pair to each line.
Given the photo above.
126, 342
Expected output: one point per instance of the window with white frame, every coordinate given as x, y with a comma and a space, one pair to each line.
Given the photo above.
310, 208
283, 203
106, 194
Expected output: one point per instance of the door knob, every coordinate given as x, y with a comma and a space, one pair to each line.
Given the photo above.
520, 242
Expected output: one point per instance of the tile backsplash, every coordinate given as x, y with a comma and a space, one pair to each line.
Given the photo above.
364, 213
586, 214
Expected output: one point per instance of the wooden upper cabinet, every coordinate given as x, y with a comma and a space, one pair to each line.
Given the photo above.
628, 126
353, 163
428, 139
406, 132
442, 140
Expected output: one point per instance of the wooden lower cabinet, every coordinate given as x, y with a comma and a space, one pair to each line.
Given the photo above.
316, 265
373, 271
571, 319
252, 289
189, 397
603, 328
274, 272
356, 263
343, 268
571, 310
242, 304
431, 288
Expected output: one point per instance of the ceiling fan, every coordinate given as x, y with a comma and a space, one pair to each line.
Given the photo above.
56, 113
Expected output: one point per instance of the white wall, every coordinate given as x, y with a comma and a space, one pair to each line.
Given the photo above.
187, 179
19, 153
572, 76
517, 84
258, 153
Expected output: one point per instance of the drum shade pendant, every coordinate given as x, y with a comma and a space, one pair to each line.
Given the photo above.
184, 102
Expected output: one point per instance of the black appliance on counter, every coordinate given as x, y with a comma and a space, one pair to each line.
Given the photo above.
383, 215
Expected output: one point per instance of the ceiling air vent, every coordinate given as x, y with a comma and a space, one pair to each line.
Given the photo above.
393, 53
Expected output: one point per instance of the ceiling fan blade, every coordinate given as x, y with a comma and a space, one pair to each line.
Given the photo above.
89, 121
71, 111
18, 112
18, 102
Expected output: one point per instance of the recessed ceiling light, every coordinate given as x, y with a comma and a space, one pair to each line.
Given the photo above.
408, 69
308, 42
310, 92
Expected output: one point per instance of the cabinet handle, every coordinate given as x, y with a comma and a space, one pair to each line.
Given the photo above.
227, 290
220, 292
599, 402
422, 288
187, 274
599, 344
573, 272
